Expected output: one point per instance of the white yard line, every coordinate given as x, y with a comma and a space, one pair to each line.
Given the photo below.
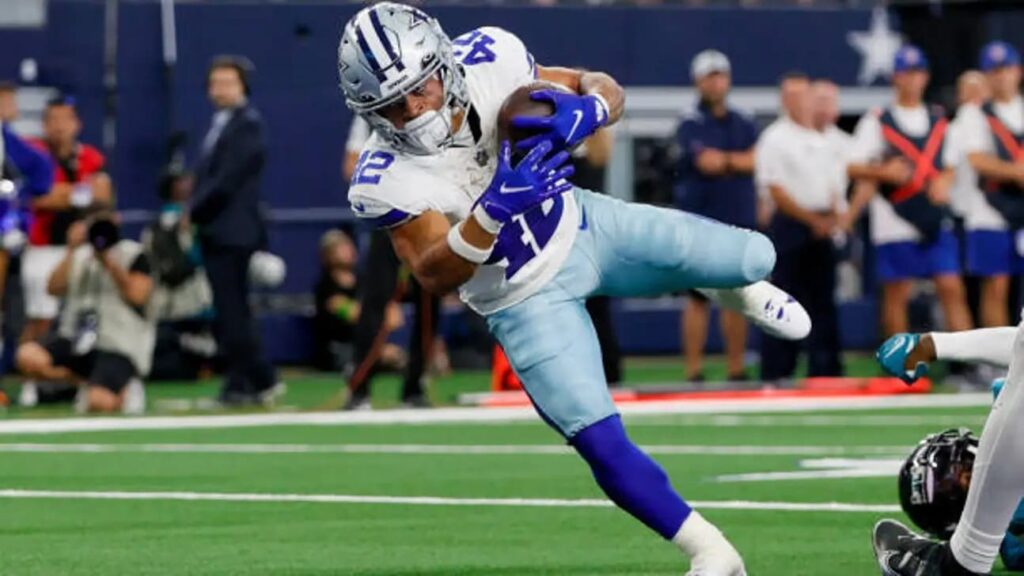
816, 421
429, 500
433, 449
482, 415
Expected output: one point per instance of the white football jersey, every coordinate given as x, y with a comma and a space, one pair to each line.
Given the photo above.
390, 187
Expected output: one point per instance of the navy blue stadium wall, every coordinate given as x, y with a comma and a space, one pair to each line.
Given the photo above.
293, 46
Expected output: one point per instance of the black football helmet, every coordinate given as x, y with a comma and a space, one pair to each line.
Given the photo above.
934, 480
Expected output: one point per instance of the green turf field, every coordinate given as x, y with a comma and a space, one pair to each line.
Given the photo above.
540, 513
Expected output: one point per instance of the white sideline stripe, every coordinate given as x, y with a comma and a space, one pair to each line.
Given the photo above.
431, 500
482, 415
425, 449
864, 421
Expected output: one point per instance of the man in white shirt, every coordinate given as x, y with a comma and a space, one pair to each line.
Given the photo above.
989, 140
900, 149
825, 97
972, 92
798, 168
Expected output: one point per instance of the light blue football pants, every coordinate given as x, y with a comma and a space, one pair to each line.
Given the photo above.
622, 249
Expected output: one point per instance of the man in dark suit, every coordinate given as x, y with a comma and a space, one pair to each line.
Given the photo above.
226, 210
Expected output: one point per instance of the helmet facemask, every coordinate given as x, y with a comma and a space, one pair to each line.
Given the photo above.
432, 131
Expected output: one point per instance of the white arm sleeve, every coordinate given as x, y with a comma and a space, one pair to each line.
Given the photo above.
985, 345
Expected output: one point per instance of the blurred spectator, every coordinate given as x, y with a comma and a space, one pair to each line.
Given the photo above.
716, 145
182, 301
337, 307
104, 339
590, 160
988, 139
24, 172
825, 104
971, 92
900, 149
8, 101
384, 283
78, 182
358, 134
965, 201
226, 209
799, 168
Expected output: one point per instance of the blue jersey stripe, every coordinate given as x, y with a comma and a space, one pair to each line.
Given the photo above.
392, 218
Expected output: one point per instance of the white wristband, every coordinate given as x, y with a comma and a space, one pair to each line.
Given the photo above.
490, 225
604, 104
459, 245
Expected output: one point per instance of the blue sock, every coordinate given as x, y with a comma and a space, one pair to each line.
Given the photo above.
630, 478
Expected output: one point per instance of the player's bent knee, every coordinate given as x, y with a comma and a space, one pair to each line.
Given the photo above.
31, 358
758, 257
102, 400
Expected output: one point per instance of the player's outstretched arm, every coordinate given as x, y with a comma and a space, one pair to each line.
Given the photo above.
421, 244
907, 356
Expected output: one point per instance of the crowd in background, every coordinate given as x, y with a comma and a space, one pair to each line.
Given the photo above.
943, 191
96, 304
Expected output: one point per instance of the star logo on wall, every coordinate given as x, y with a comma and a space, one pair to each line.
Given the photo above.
877, 47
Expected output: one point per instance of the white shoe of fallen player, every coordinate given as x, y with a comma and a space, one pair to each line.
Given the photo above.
28, 397
724, 561
134, 403
769, 307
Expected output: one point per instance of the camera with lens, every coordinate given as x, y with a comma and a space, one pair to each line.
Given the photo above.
103, 233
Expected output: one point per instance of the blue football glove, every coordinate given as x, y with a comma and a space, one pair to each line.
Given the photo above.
997, 387
892, 355
515, 190
576, 117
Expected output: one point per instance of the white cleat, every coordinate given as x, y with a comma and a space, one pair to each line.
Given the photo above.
769, 307
28, 397
724, 561
134, 403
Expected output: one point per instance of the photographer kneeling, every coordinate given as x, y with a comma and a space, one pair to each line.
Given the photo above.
105, 335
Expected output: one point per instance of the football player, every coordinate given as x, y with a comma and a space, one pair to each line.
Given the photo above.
523, 247
934, 483
933, 486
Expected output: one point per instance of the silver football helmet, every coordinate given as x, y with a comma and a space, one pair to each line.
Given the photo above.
388, 50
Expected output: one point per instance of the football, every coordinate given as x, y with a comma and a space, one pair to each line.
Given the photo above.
519, 103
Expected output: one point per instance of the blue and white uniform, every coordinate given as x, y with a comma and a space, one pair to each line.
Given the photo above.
548, 261
389, 187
